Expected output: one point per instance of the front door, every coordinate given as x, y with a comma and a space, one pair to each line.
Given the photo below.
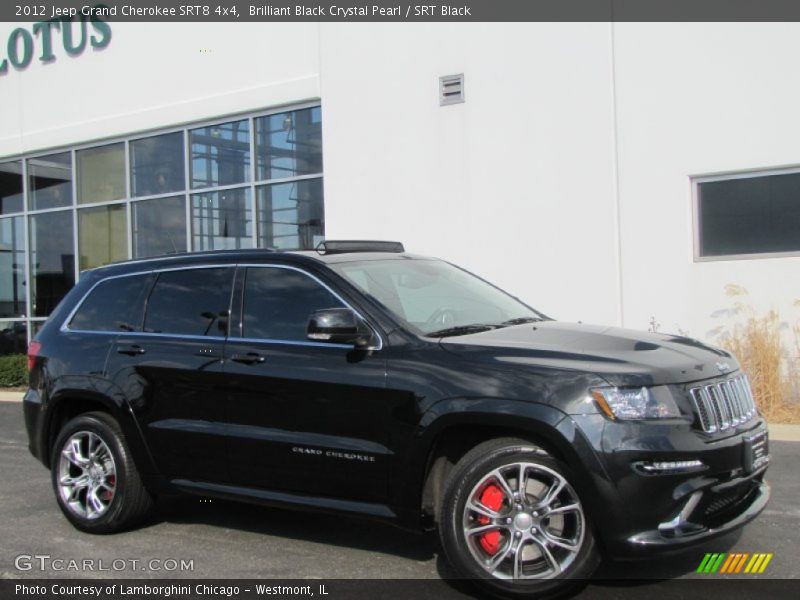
303, 417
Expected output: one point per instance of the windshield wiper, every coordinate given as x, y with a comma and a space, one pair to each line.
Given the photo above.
461, 330
521, 321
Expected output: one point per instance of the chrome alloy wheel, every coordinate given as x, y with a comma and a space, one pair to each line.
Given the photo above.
524, 521
87, 475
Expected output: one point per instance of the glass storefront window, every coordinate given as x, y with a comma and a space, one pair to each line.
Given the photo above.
50, 181
220, 154
250, 181
159, 226
222, 220
12, 267
157, 165
102, 235
52, 260
290, 215
101, 173
35, 327
289, 144
11, 187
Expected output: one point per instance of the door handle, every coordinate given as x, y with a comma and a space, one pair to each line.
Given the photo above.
131, 350
251, 358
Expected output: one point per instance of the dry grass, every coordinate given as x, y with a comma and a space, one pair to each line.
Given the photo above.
759, 344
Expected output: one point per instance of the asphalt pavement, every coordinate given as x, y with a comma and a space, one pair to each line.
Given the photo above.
217, 539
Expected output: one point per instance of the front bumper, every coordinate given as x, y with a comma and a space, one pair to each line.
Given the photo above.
645, 513
681, 531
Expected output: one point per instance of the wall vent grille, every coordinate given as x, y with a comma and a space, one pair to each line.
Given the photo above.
451, 89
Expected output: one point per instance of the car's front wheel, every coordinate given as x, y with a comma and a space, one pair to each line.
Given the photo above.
94, 477
512, 520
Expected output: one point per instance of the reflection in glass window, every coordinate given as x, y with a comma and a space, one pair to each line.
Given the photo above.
50, 181
190, 302
420, 292
159, 226
12, 267
157, 165
290, 215
52, 260
116, 304
289, 144
749, 215
10, 187
102, 235
13, 337
221, 154
35, 327
222, 220
278, 302
101, 173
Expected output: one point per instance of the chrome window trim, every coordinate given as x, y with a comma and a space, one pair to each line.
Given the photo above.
150, 334
294, 343
65, 325
66, 329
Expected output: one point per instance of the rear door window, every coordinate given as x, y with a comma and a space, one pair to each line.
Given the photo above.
113, 305
278, 303
190, 302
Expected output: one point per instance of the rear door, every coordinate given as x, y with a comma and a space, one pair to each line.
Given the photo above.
306, 417
170, 371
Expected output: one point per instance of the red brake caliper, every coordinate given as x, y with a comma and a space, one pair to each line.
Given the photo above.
492, 497
112, 480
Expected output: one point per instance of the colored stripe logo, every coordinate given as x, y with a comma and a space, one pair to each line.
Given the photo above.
735, 562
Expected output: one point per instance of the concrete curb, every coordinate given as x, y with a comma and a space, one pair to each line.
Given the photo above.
778, 432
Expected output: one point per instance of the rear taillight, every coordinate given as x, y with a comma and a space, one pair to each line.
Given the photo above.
33, 351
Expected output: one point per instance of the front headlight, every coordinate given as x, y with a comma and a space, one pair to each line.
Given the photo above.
636, 403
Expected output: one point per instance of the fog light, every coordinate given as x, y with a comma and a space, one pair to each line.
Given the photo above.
668, 467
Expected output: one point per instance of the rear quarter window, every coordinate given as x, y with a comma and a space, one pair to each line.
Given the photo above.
113, 305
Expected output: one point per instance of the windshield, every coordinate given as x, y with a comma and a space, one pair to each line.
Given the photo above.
436, 298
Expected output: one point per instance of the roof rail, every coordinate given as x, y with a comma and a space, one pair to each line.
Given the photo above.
345, 246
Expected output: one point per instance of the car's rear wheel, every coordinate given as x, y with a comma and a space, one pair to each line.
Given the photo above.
512, 520
96, 483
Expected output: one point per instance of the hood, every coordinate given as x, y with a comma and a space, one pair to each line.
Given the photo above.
621, 356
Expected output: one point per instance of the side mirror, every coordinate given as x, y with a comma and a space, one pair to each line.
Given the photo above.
338, 326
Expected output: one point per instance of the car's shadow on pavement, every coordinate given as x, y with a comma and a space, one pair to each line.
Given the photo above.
375, 536
320, 528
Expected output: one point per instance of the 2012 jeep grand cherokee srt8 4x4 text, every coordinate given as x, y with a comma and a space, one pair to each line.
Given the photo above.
361, 379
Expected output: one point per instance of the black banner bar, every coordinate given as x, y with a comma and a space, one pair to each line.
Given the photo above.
732, 588
398, 11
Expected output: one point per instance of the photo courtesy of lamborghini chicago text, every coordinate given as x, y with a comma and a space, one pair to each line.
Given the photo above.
364, 299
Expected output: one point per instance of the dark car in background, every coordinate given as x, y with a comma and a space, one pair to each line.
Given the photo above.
365, 380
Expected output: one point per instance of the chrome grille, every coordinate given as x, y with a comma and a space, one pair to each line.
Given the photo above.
724, 404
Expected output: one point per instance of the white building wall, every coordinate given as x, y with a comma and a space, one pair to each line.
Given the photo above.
515, 184
694, 99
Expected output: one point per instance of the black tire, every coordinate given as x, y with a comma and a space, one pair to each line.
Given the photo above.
129, 501
469, 475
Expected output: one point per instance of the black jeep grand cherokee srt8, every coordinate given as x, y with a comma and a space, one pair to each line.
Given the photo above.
364, 380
